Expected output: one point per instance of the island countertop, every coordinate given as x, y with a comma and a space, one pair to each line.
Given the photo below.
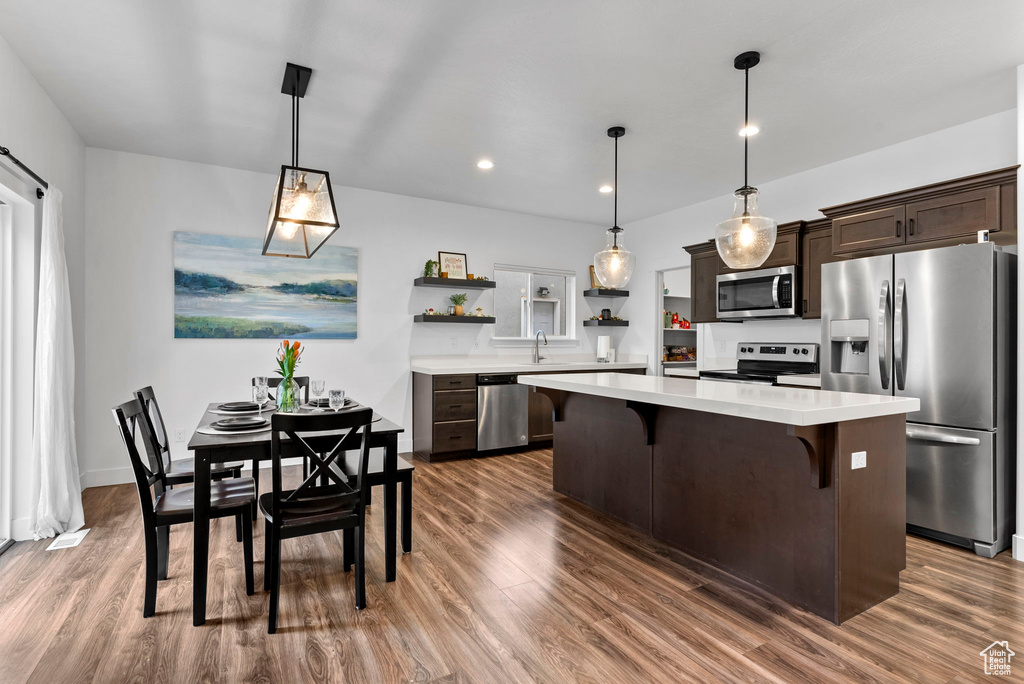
789, 405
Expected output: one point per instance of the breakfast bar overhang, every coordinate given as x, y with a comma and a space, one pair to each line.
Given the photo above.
798, 491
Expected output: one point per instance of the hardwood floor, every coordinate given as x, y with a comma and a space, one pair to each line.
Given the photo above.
508, 582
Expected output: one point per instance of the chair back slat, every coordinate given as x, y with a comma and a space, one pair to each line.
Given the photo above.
302, 381
131, 424
305, 430
159, 447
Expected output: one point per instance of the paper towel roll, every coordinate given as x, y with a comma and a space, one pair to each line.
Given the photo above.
603, 344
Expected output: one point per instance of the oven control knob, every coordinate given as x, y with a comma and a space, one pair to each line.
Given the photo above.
803, 351
795, 350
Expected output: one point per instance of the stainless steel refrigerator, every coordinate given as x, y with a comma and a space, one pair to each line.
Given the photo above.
939, 325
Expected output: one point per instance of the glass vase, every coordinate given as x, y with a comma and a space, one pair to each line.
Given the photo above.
288, 400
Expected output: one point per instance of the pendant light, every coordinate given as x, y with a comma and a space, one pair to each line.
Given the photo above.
746, 239
302, 213
614, 264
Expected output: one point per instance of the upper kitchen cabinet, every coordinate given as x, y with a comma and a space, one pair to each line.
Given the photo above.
816, 249
704, 267
938, 215
871, 230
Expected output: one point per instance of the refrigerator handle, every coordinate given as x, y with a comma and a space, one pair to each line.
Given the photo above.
884, 315
899, 338
939, 437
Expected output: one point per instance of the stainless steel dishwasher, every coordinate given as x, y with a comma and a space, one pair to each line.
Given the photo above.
502, 412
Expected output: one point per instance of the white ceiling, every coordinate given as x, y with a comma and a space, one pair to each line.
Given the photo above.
407, 95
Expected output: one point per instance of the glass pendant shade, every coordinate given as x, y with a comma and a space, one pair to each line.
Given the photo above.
746, 239
302, 213
614, 264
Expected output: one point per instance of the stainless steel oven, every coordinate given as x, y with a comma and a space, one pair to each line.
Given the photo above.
765, 293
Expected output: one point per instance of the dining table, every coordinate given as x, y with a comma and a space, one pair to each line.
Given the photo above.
255, 446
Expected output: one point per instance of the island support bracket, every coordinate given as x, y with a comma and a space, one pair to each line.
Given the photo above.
647, 413
816, 440
557, 398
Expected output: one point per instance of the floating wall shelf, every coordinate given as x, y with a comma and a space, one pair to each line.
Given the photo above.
589, 323
424, 318
598, 292
454, 283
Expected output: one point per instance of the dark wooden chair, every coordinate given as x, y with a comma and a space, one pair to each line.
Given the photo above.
273, 383
375, 476
183, 470
313, 507
231, 497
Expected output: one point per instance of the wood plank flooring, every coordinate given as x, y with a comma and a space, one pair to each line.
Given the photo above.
508, 582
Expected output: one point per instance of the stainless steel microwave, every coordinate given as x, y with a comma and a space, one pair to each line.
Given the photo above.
765, 293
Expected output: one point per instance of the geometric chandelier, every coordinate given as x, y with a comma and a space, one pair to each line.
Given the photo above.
302, 213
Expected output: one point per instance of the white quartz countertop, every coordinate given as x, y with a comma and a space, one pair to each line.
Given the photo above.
789, 405
447, 365
801, 379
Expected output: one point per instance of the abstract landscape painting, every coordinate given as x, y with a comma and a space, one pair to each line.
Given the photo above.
225, 288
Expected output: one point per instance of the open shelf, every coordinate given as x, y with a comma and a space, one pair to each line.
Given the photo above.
679, 329
598, 292
454, 283
608, 323
678, 364
424, 318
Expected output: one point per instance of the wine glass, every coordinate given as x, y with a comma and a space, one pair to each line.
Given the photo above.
262, 393
336, 399
317, 387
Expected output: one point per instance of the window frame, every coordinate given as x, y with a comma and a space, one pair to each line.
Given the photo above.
569, 337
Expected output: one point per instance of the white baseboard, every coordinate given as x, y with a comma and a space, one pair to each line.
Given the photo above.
21, 529
1018, 547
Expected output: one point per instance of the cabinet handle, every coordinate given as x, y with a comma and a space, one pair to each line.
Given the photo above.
910, 225
456, 406
455, 437
899, 229
805, 306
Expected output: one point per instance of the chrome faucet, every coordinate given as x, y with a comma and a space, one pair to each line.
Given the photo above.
537, 358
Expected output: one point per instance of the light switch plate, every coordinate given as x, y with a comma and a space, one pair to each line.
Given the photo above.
859, 459
179, 434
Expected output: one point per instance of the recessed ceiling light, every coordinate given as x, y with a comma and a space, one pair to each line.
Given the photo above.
485, 164
605, 188
749, 130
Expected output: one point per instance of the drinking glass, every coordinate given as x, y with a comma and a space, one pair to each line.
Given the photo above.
336, 398
318, 389
262, 393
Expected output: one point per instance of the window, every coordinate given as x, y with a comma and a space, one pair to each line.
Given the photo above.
530, 299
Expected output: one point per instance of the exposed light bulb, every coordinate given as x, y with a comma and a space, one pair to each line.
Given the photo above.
605, 189
485, 164
746, 235
288, 229
301, 206
749, 130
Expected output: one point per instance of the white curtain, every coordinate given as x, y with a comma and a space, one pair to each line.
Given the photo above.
59, 500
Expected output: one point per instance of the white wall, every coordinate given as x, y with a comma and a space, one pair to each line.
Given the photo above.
136, 202
37, 133
1018, 539
974, 147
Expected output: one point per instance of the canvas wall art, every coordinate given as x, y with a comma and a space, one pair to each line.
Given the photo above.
225, 288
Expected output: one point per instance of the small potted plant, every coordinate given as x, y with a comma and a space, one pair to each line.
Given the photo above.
430, 268
458, 300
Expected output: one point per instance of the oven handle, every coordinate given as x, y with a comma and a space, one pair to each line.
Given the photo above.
775, 291
739, 382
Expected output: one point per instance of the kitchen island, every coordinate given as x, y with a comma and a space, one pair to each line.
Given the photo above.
798, 491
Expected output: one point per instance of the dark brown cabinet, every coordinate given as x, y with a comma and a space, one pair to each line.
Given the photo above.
870, 230
962, 214
704, 265
816, 250
542, 425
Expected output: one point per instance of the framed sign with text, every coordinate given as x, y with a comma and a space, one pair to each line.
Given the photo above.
454, 264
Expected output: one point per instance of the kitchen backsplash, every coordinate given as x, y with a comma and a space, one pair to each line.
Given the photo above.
718, 340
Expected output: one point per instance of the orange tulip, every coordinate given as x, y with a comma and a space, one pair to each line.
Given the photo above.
295, 346
286, 344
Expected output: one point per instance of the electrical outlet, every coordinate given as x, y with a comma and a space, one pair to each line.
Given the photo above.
859, 459
179, 434
455, 343
476, 344
720, 346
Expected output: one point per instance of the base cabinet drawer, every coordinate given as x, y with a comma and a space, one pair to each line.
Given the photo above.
458, 435
454, 405
444, 382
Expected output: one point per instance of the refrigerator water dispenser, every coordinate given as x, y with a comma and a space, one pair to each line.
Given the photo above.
849, 340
